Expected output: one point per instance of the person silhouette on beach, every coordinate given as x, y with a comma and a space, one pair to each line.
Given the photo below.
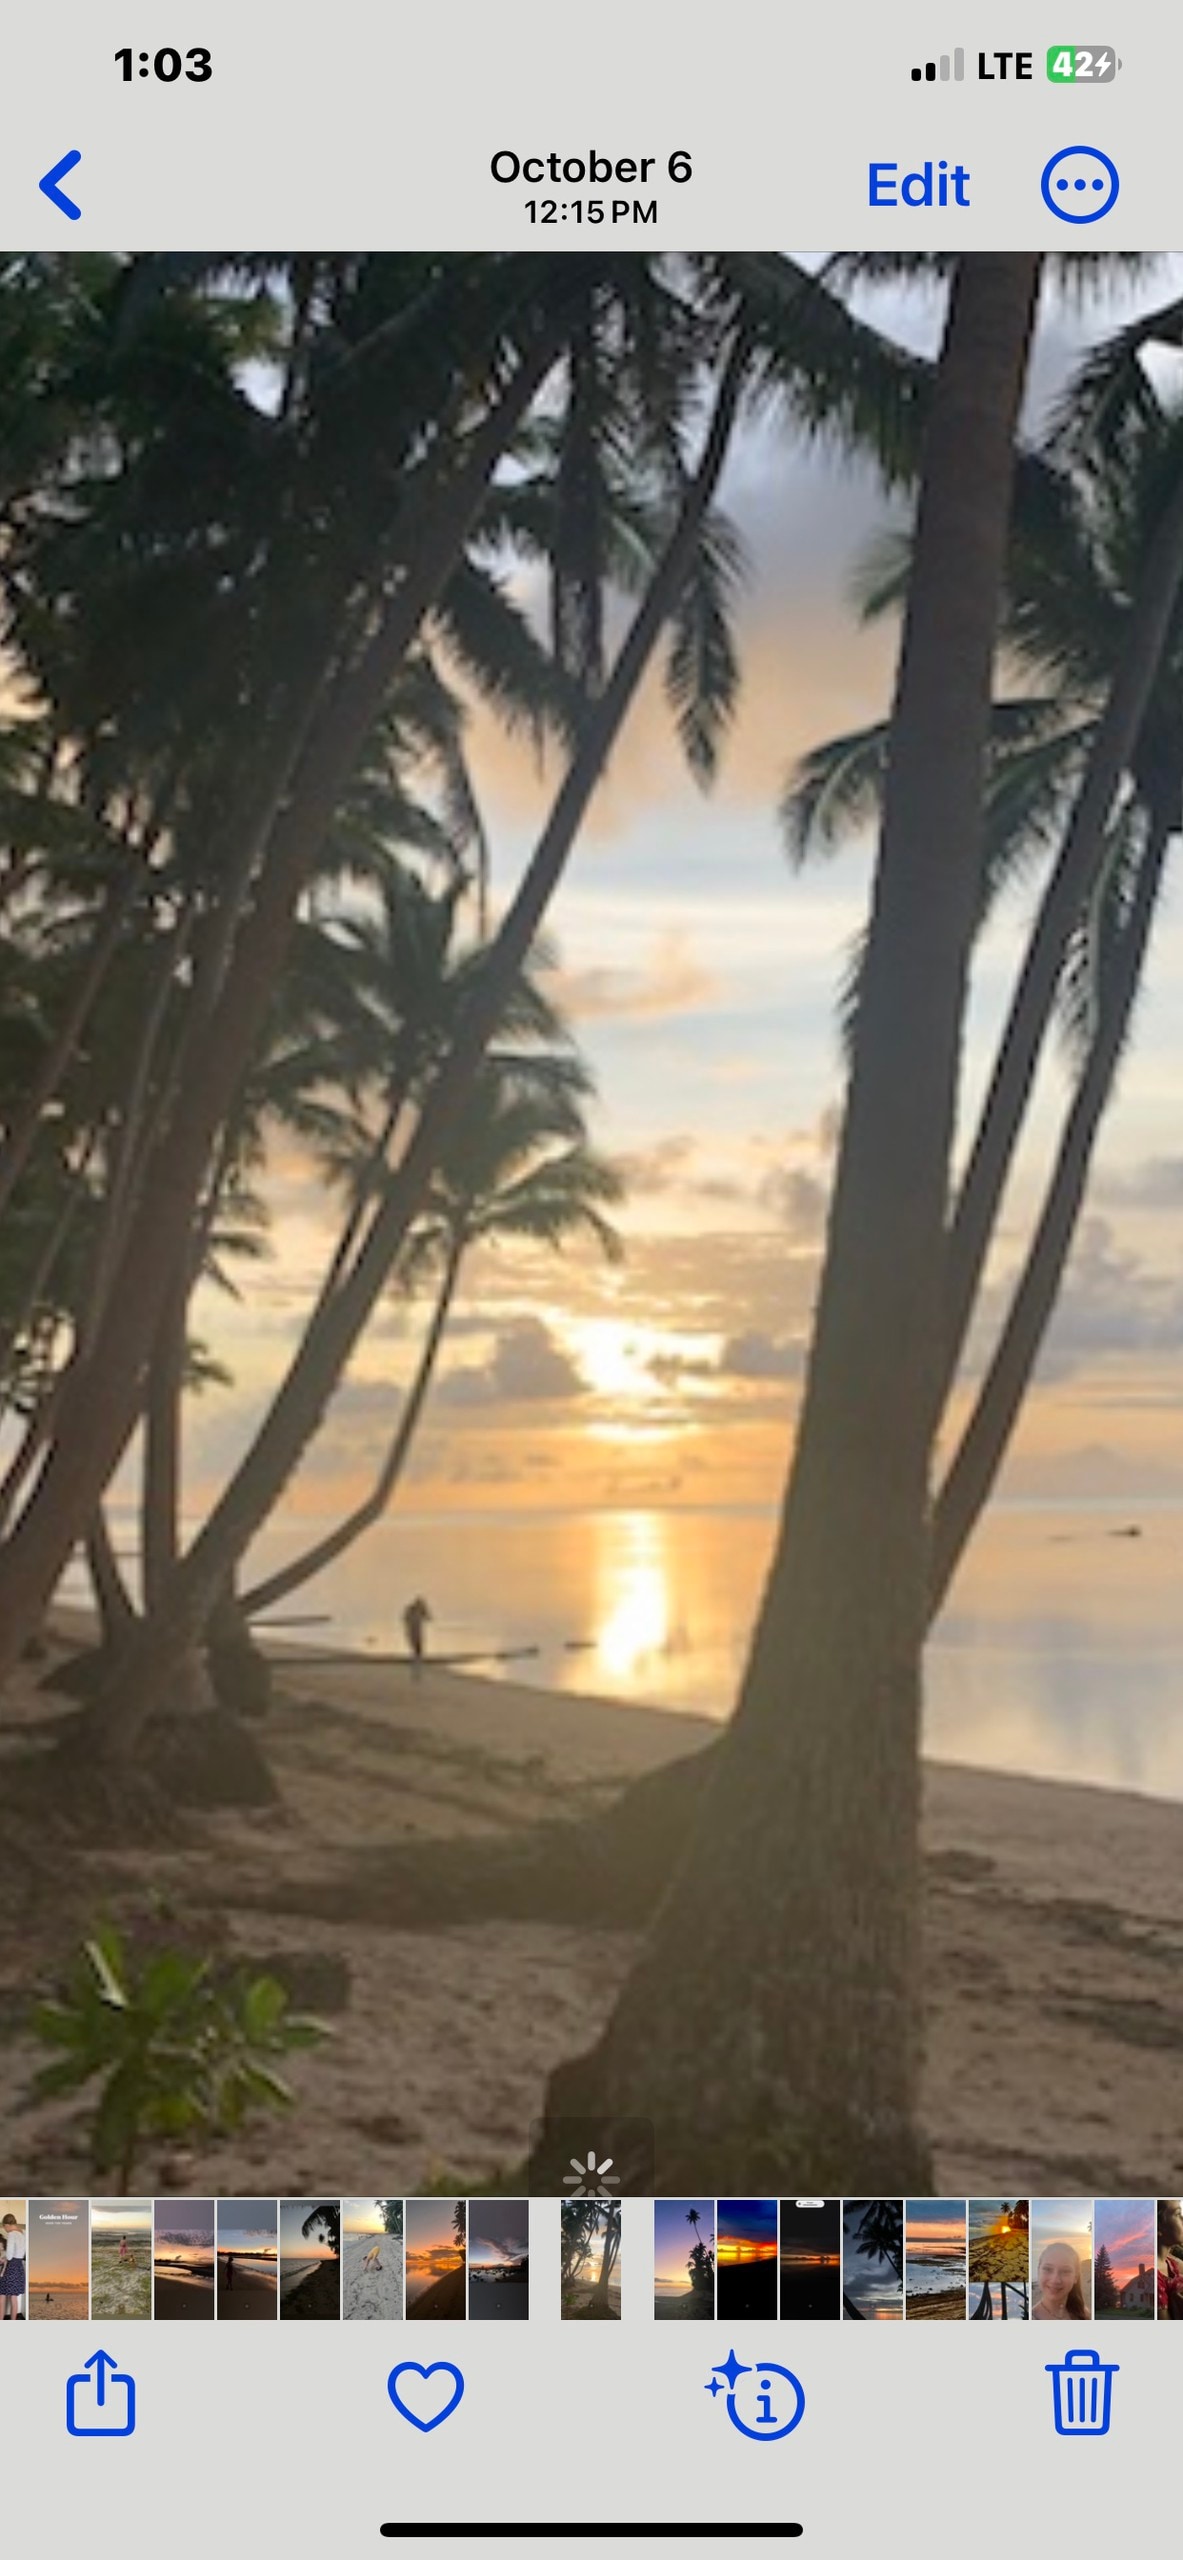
416, 1620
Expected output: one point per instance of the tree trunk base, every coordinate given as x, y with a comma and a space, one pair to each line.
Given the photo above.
207, 1761
753, 2147
240, 1673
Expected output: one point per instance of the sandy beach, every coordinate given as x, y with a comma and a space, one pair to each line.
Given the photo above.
183, 2297
371, 2293
387, 1887
71, 2302
251, 2295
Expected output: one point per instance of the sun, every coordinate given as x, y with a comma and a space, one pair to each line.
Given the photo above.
612, 1358
637, 1364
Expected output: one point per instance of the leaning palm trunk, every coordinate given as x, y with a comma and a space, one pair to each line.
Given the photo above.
787, 2047
113, 1600
315, 1559
102, 1396
1066, 896
20, 1323
22, 1137
984, 1443
321, 1360
161, 1483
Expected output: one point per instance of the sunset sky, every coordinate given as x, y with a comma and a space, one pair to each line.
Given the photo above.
1127, 2231
935, 2226
132, 2214
58, 2241
185, 2224
747, 2231
360, 2214
701, 974
292, 2213
247, 2222
498, 2232
431, 2240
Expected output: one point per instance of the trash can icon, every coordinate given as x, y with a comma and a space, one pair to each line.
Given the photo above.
1083, 2388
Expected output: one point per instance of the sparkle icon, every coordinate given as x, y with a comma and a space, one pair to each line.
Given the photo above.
591, 2177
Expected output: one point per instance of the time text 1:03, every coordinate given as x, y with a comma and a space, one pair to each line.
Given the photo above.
166, 64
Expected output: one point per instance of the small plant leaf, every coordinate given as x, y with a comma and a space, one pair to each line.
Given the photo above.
103, 1954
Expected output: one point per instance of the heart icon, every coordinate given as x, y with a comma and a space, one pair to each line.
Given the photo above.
428, 2398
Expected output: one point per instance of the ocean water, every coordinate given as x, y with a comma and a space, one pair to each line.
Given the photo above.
937, 2272
1058, 1655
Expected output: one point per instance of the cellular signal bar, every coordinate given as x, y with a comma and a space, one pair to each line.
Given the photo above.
929, 70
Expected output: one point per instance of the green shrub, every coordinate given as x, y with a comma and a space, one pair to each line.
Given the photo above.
175, 2050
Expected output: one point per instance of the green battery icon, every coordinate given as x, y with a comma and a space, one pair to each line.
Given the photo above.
1078, 62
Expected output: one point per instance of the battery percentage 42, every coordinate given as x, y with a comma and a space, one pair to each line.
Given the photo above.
1081, 62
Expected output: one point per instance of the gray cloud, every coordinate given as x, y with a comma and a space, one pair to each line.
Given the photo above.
799, 1200
760, 1355
1156, 1183
526, 1366
1111, 1302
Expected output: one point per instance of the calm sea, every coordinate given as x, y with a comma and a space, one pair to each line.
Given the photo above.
1058, 1655
936, 2271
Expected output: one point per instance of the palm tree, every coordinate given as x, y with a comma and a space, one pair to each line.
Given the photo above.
793, 2054
320, 1360
518, 1169
323, 641
1077, 574
762, 321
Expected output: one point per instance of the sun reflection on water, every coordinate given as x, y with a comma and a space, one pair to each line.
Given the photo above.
633, 1579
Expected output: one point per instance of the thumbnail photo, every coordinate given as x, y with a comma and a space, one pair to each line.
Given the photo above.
59, 2258
1061, 2258
437, 2253
1170, 2258
810, 2258
372, 2258
14, 2244
589, 2259
499, 2261
183, 2258
873, 2258
934, 2258
1124, 2272
999, 2258
591, 1056
248, 2258
746, 2259
120, 2258
309, 2259
684, 2258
